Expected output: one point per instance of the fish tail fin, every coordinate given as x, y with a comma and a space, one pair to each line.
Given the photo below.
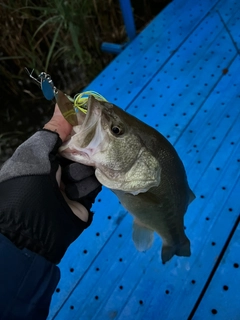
191, 196
142, 236
182, 250
167, 252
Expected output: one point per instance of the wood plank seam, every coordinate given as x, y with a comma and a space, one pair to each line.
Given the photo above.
172, 54
214, 269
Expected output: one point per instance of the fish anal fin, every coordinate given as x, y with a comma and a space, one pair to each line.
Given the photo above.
182, 250
142, 236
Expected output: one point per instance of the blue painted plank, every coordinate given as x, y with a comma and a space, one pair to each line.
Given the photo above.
138, 50
209, 150
175, 290
166, 275
227, 10
231, 137
73, 267
221, 300
88, 289
138, 63
129, 278
105, 230
189, 77
113, 260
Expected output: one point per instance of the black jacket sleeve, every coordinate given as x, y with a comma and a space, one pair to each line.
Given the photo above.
27, 282
33, 212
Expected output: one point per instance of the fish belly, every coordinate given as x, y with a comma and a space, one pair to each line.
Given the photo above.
155, 217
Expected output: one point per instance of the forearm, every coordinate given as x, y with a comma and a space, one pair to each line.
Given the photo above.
33, 211
37, 225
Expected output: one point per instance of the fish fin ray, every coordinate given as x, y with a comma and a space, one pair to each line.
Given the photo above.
182, 250
167, 253
142, 237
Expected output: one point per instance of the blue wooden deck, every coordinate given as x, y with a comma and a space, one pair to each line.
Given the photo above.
181, 76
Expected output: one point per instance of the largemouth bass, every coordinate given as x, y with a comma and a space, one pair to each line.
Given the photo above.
141, 167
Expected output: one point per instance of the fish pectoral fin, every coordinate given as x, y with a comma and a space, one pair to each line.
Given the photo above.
142, 237
182, 250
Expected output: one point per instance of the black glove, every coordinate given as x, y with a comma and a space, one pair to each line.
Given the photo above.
80, 182
33, 212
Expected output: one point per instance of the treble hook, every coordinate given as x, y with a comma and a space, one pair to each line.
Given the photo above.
49, 91
30, 75
46, 84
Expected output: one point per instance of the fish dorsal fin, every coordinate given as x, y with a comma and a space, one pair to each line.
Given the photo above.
143, 175
142, 236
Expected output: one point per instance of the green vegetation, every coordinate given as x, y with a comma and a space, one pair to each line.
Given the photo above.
53, 34
62, 38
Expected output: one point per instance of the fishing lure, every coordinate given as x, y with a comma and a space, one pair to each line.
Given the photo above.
46, 84
80, 100
68, 106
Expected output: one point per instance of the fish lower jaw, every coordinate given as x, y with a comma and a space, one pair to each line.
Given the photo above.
77, 156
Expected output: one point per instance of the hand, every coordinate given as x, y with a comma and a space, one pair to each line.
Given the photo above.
34, 213
73, 173
59, 124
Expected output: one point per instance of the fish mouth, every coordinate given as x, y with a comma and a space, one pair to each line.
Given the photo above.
87, 137
92, 108
75, 114
76, 155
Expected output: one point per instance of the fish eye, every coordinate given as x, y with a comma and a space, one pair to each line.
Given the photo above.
117, 130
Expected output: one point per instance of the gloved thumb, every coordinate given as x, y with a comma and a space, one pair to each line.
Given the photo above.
77, 208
